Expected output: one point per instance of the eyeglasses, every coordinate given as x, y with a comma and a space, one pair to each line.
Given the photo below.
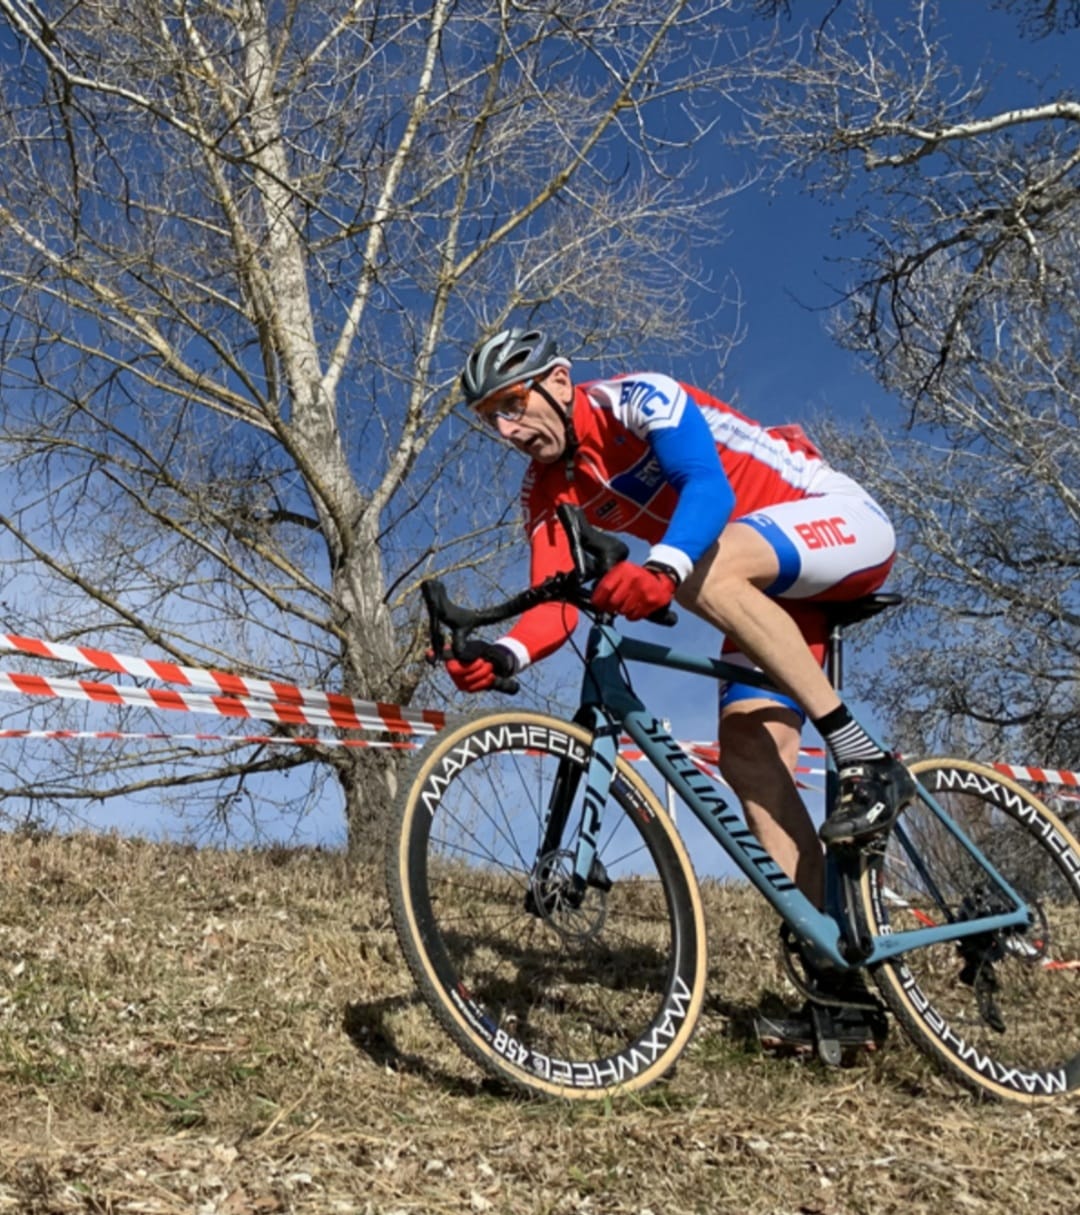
509, 405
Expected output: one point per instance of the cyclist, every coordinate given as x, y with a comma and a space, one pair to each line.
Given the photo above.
749, 528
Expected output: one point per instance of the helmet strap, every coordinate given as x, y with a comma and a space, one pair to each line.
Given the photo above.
567, 416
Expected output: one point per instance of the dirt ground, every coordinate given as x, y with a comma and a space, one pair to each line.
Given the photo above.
234, 1033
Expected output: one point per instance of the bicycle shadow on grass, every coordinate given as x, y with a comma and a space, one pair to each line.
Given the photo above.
738, 1018
367, 1024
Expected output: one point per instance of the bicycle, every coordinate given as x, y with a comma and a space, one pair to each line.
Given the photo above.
552, 920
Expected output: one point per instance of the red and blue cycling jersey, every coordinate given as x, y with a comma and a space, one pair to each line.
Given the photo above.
662, 461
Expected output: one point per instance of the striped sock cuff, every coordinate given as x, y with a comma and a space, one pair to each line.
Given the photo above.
851, 742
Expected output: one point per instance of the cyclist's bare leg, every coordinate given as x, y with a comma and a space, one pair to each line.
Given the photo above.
759, 748
725, 589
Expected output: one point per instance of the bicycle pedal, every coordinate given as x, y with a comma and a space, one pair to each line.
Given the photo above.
830, 1033
792, 1035
826, 1037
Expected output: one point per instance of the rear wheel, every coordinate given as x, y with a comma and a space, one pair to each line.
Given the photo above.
562, 991
1001, 1010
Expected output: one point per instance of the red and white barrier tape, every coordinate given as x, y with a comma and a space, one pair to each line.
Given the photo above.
285, 712
232, 695
237, 696
1038, 776
246, 739
706, 755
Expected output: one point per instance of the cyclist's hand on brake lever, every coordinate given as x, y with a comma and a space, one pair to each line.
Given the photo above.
480, 665
633, 591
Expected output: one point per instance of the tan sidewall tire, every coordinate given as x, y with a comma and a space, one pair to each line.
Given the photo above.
411, 936
887, 978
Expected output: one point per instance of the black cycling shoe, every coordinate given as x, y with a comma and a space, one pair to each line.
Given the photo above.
839, 987
873, 792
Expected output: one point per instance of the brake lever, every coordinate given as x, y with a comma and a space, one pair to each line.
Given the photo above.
594, 551
503, 683
460, 646
435, 597
440, 611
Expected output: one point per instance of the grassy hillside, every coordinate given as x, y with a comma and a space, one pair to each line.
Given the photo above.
235, 1034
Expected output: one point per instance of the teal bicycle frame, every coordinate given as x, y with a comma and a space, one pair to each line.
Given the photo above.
609, 708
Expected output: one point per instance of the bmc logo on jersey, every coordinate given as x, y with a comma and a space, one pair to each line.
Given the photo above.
824, 533
648, 401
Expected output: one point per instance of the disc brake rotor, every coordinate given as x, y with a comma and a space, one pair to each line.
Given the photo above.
575, 912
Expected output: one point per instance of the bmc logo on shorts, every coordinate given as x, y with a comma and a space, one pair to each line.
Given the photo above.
824, 533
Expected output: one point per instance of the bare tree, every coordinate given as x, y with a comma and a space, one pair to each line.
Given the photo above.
1037, 17
245, 246
1040, 18
963, 298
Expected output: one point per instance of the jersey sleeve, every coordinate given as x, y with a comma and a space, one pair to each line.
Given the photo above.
542, 630
658, 409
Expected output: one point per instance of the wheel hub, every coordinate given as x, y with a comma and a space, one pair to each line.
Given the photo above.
576, 911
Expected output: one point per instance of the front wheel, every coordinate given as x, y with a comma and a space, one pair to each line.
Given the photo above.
1000, 1011
560, 990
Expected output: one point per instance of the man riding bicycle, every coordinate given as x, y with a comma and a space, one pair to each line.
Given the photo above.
749, 528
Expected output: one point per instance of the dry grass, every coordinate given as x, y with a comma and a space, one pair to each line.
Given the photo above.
235, 1033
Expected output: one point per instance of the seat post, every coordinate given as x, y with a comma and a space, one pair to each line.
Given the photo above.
850, 611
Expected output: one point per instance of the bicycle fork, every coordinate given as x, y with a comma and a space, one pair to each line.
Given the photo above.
565, 869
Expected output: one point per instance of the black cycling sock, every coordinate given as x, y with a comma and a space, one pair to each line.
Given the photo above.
845, 738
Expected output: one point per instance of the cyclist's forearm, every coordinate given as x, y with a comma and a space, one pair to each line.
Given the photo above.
540, 632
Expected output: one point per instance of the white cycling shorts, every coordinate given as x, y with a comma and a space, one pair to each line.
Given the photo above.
837, 544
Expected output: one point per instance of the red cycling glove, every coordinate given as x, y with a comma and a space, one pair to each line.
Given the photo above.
633, 591
485, 661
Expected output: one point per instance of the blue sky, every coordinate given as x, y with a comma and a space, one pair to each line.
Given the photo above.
784, 254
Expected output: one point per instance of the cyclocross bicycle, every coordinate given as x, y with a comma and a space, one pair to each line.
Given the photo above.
553, 922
